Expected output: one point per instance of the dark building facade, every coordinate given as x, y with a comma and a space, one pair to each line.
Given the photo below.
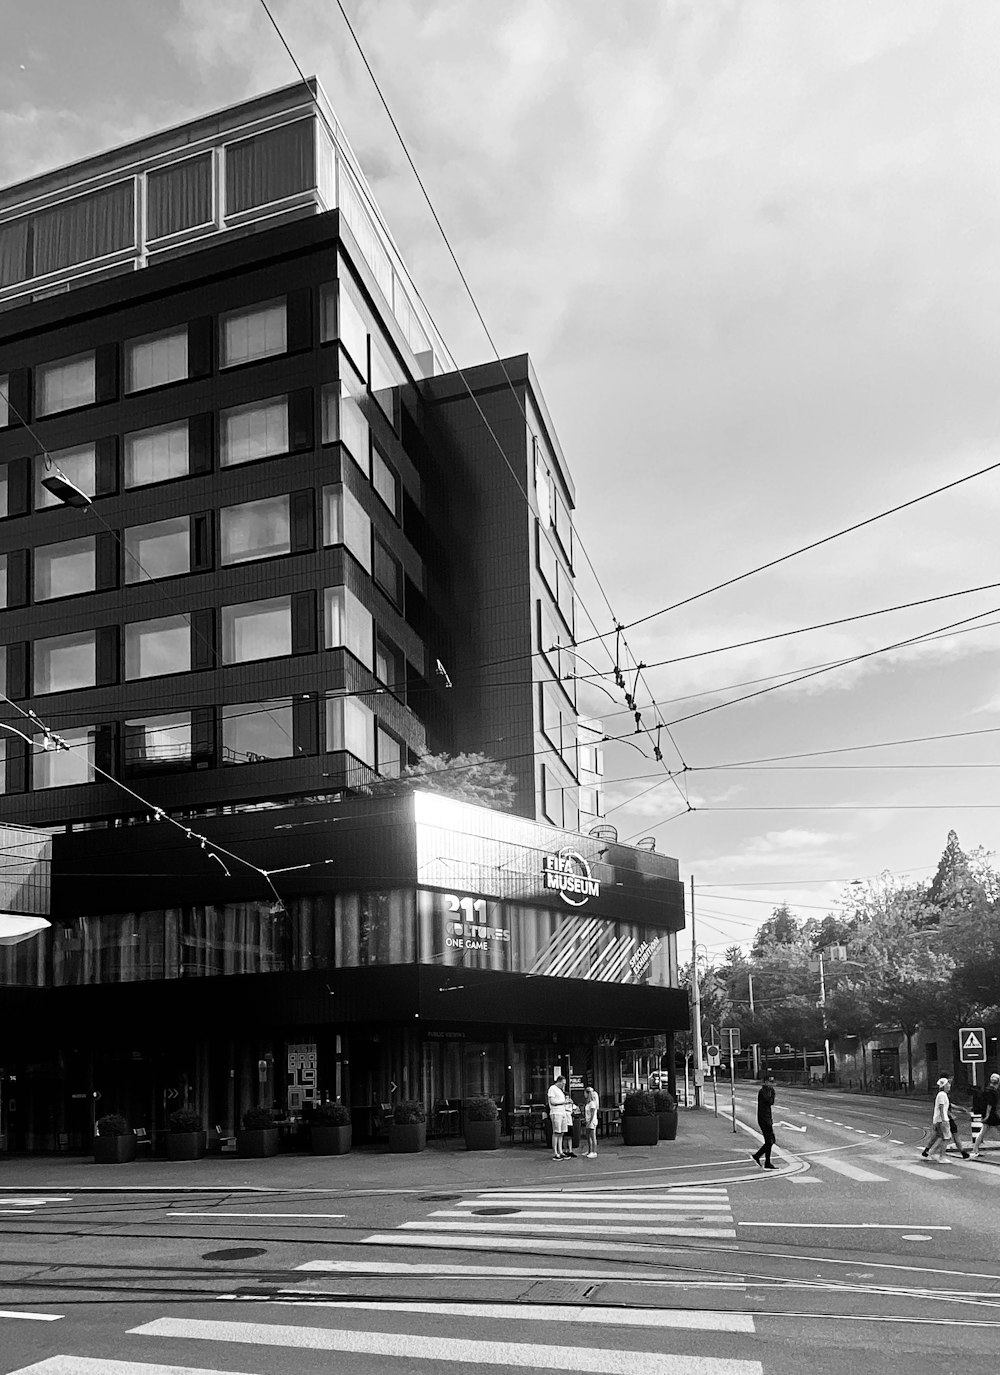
314, 550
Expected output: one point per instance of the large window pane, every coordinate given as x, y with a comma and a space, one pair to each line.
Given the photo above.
384, 482
61, 570
343, 419
346, 522
254, 431
351, 329
270, 166
65, 662
15, 265
256, 630
255, 530
254, 731
350, 726
62, 768
3, 580
78, 464
179, 197
385, 375
390, 665
156, 359
153, 648
347, 624
390, 754
158, 741
258, 332
156, 455
159, 550
69, 382
4, 400
4, 494
85, 227
388, 572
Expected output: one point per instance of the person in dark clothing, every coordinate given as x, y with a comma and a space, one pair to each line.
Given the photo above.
765, 1101
991, 1114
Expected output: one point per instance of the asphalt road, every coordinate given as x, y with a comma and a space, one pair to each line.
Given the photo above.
864, 1259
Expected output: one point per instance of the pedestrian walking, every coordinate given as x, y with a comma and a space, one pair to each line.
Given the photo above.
590, 1107
765, 1102
940, 1125
558, 1116
991, 1113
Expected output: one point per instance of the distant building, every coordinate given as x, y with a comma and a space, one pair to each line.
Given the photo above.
591, 755
315, 551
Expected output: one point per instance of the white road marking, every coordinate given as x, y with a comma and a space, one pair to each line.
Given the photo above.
513, 1226
410, 1346
850, 1226
31, 1317
37, 1202
850, 1171
587, 1205
915, 1236
89, 1365
697, 1320
247, 1217
578, 1196
400, 1267
469, 1242
921, 1171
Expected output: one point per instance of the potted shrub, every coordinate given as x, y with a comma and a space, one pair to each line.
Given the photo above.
482, 1125
185, 1135
666, 1111
114, 1143
640, 1124
258, 1135
408, 1128
330, 1129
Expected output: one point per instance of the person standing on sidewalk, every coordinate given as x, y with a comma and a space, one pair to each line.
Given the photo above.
765, 1102
940, 1125
991, 1113
557, 1115
590, 1107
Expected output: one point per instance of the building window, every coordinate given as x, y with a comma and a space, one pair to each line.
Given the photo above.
385, 376
78, 464
257, 630
388, 572
590, 801
156, 359
346, 522
66, 662
270, 166
548, 561
389, 760
85, 227
389, 665
64, 768
159, 550
255, 731
154, 742
552, 796
257, 430
552, 639
260, 332
384, 482
153, 648
341, 318
347, 624
69, 382
3, 580
255, 530
62, 570
156, 455
350, 726
179, 197
4, 494
544, 490
4, 400
344, 420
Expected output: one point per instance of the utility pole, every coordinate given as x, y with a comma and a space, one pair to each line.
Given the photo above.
822, 1003
695, 1008
755, 1048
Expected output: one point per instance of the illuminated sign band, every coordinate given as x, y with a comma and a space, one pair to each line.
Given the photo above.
568, 874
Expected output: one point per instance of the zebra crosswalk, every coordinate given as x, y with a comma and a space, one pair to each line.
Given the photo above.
481, 1315
883, 1169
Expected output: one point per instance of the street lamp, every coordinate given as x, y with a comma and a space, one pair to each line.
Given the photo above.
68, 492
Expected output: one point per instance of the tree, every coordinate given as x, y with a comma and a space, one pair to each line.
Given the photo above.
953, 874
781, 928
468, 777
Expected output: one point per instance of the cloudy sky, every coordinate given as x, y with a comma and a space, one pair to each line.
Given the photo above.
754, 252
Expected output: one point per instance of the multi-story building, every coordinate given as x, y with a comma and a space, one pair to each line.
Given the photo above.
310, 550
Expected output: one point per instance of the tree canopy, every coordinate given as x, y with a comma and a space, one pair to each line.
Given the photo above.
467, 777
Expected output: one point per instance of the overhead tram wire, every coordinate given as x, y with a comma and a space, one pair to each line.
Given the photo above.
661, 724
804, 549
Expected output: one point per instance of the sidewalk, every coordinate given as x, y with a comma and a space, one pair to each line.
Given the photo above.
706, 1151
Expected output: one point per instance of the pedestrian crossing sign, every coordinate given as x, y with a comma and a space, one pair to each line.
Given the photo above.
972, 1044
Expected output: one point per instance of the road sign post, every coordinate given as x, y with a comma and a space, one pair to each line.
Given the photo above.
735, 1046
972, 1047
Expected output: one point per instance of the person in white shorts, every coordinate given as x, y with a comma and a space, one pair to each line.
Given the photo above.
558, 1115
590, 1107
939, 1123
991, 1113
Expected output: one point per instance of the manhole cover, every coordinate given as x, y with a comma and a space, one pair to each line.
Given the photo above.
495, 1212
235, 1253
439, 1198
559, 1291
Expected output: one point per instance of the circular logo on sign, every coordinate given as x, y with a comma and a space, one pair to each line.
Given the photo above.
569, 874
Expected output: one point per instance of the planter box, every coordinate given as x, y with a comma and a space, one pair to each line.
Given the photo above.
405, 1137
258, 1142
668, 1125
327, 1139
185, 1145
482, 1136
114, 1150
640, 1131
